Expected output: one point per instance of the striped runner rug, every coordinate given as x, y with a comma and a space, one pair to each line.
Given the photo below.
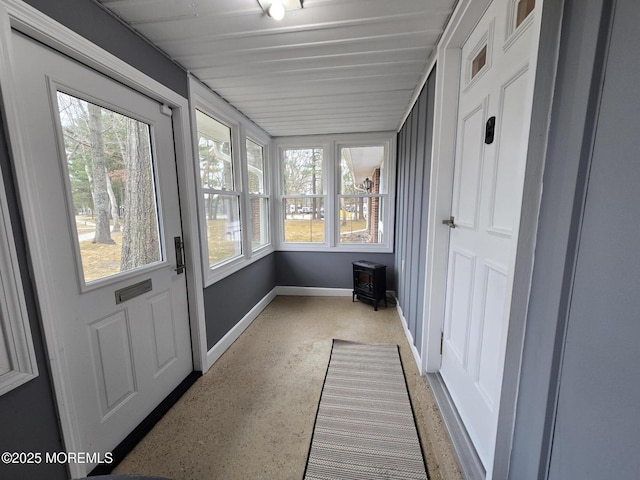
365, 428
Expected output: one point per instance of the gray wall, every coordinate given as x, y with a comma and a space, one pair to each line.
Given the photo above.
414, 167
230, 299
92, 22
597, 421
579, 392
325, 269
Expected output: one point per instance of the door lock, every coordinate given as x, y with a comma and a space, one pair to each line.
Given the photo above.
450, 222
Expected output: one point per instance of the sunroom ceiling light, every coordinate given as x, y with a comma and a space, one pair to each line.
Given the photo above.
276, 10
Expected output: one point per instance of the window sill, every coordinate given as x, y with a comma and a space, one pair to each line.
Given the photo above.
305, 247
224, 270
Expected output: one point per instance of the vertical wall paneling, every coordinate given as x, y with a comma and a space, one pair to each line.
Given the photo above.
411, 244
414, 168
426, 106
416, 296
400, 212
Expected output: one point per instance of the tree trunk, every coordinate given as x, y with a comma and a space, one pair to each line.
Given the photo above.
140, 242
115, 214
99, 190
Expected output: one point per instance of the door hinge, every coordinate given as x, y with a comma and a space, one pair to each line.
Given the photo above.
441, 341
166, 110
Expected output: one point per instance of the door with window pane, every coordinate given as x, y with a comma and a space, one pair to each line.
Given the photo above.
109, 209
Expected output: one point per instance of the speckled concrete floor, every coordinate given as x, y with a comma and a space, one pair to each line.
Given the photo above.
251, 415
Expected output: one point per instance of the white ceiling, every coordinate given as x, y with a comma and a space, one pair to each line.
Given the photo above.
334, 66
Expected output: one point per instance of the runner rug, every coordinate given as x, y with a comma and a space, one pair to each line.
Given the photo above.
365, 428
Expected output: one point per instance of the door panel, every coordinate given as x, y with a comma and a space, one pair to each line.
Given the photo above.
487, 193
508, 169
493, 308
468, 180
461, 285
112, 360
163, 330
121, 359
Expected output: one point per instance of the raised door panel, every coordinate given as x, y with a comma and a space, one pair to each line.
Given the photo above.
461, 282
510, 154
111, 348
469, 172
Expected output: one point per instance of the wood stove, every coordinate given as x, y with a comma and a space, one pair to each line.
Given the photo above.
369, 282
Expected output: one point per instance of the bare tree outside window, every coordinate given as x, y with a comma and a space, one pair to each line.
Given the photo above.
110, 167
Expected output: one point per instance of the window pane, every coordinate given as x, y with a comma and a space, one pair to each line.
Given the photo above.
303, 171
304, 220
259, 222
255, 164
479, 61
361, 170
214, 150
224, 231
111, 174
525, 7
360, 220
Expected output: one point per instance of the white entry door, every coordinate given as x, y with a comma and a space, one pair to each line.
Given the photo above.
487, 192
107, 190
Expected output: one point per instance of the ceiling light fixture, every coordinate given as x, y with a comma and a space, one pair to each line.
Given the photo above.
276, 10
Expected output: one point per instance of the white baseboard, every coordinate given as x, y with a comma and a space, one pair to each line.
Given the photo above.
232, 335
313, 291
405, 326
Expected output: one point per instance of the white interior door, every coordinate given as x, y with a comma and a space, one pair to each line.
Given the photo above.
104, 156
487, 192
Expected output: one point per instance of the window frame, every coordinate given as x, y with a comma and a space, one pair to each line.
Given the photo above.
203, 99
259, 138
324, 196
15, 329
331, 177
383, 196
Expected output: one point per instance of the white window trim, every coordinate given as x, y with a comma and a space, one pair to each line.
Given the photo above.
15, 331
332, 144
257, 136
208, 102
325, 194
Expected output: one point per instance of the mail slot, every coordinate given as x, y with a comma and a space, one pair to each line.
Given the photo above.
132, 291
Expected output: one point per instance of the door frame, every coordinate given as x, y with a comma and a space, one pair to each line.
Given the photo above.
26, 19
449, 63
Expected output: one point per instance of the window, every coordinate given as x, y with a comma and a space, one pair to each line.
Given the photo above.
219, 184
233, 185
303, 199
362, 194
17, 357
112, 188
337, 192
258, 198
479, 61
524, 8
